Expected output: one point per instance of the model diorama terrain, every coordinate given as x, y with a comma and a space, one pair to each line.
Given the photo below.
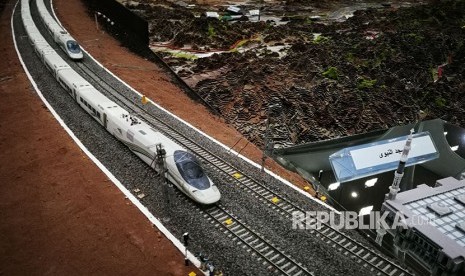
334, 69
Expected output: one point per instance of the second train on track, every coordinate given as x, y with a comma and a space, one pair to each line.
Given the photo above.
183, 168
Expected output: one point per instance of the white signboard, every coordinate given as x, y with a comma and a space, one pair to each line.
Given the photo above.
254, 12
212, 15
390, 152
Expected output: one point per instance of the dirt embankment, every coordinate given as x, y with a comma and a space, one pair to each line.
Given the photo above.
59, 213
380, 68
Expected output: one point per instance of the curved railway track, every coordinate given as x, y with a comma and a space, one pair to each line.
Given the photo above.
275, 260
238, 231
376, 262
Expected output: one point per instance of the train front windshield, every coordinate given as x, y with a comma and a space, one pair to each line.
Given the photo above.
73, 46
190, 170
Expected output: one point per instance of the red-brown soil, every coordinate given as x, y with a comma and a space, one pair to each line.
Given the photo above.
148, 79
60, 215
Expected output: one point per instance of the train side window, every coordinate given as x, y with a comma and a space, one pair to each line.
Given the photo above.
81, 100
63, 84
98, 114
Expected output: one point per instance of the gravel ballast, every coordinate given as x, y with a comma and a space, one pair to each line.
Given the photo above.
185, 215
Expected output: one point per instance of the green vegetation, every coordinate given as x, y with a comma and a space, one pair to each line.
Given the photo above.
366, 83
350, 57
356, 61
211, 31
440, 102
416, 37
320, 39
184, 55
225, 18
434, 73
331, 73
308, 21
385, 54
242, 43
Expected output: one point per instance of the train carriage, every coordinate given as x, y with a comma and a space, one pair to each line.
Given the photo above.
60, 35
184, 170
54, 62
72, 82
70, 46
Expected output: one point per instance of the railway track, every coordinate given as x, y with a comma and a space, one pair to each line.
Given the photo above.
271, 256
277, 262
265, 251
378, 264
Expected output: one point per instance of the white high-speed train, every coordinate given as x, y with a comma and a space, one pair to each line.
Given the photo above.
184, 169
60, 35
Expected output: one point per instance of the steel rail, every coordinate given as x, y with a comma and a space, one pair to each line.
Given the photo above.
266, 195
276, 201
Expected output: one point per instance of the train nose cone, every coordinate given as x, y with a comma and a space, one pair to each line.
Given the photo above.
208, 196
77, 56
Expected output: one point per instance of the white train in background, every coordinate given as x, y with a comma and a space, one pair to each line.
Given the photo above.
60, 35
184, 170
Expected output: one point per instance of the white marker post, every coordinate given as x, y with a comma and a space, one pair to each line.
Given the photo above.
399, 173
